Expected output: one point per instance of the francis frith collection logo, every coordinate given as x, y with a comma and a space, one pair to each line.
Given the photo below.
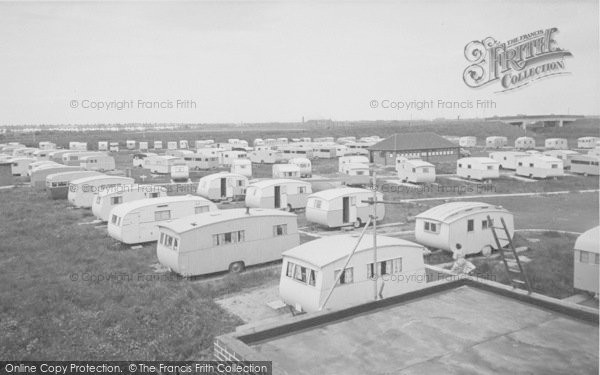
515, 63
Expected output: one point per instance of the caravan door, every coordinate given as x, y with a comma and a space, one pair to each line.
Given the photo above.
345, 210
283, 201
277, 197
223, 187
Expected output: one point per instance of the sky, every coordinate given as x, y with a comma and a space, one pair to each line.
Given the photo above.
278, 61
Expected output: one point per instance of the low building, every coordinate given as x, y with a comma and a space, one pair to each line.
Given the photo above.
425, 146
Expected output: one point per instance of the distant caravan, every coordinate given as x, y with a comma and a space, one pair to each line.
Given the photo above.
81, 191
341, 207
278, 193
106, 200
225, 240
222, 186
136, 222
57, 184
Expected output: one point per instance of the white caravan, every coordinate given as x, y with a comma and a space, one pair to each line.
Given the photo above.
137, 221
587, 142
352, 159
82, 191
524, 143
264, 155
278, 193
540, 166
336, 208
310, 271
20, 165
464, 223
304, 165
286, 171
415, 171
467, 141
556, 144
140, 158
564, 155
57, 184
508, 159
130, 144
222, 186
107, 199
586, 165
478, 168
97, 163
496, 142
161, 164
241, 166
225, 240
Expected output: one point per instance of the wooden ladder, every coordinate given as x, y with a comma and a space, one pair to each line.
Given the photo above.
509, 256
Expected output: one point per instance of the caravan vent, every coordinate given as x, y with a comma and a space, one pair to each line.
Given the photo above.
162, 205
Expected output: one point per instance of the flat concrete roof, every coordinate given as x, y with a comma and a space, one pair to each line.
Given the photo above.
463, 330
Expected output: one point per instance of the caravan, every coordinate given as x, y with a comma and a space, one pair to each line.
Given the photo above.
467, 141
352, 159
524, 143
130, 144
160, 164
107, 199
278, 193
586, 165
81, 191
158, 145
336, 208
564, 155
180, 172
286, 171
139, 158
204, 158
464, 223
309, 271
355, 174
304, 165
264, 155
19, 165
223, 185
57, 184
587, 142
415, 171
556, 143
508, 159
136, 221
478, 168
540, 166
496, 142
102, 146
39, 174
99, 162
226, 158
225, 240
241, 166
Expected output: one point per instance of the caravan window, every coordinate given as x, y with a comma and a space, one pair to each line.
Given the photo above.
115, 200
162, 215
386, 267
279, 230
312, 276
161, 239
554, 166
470, 225
346, 278
484, 224
290, 269
301, 189
490, 167
175, 244
200, 209
583, 256
300, 273
318, 203
430, 227
114, 219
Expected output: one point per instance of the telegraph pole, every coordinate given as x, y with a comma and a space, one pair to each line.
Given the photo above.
374, 220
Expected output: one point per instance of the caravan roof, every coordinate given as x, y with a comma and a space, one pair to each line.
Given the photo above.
330, 194
450, 212
481, 160
85, 180
589, 241
329, 249
270, 182
417, 163
125, 208
192, 222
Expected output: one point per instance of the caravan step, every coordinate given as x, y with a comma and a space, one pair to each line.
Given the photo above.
514, 270
517, 281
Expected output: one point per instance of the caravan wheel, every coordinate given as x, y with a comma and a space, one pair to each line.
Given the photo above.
486, 251
357, 223
236, 267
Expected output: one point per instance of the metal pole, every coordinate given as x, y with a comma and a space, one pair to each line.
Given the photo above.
374, 219
337, 279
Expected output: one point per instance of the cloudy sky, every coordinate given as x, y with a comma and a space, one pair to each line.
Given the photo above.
257, 61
